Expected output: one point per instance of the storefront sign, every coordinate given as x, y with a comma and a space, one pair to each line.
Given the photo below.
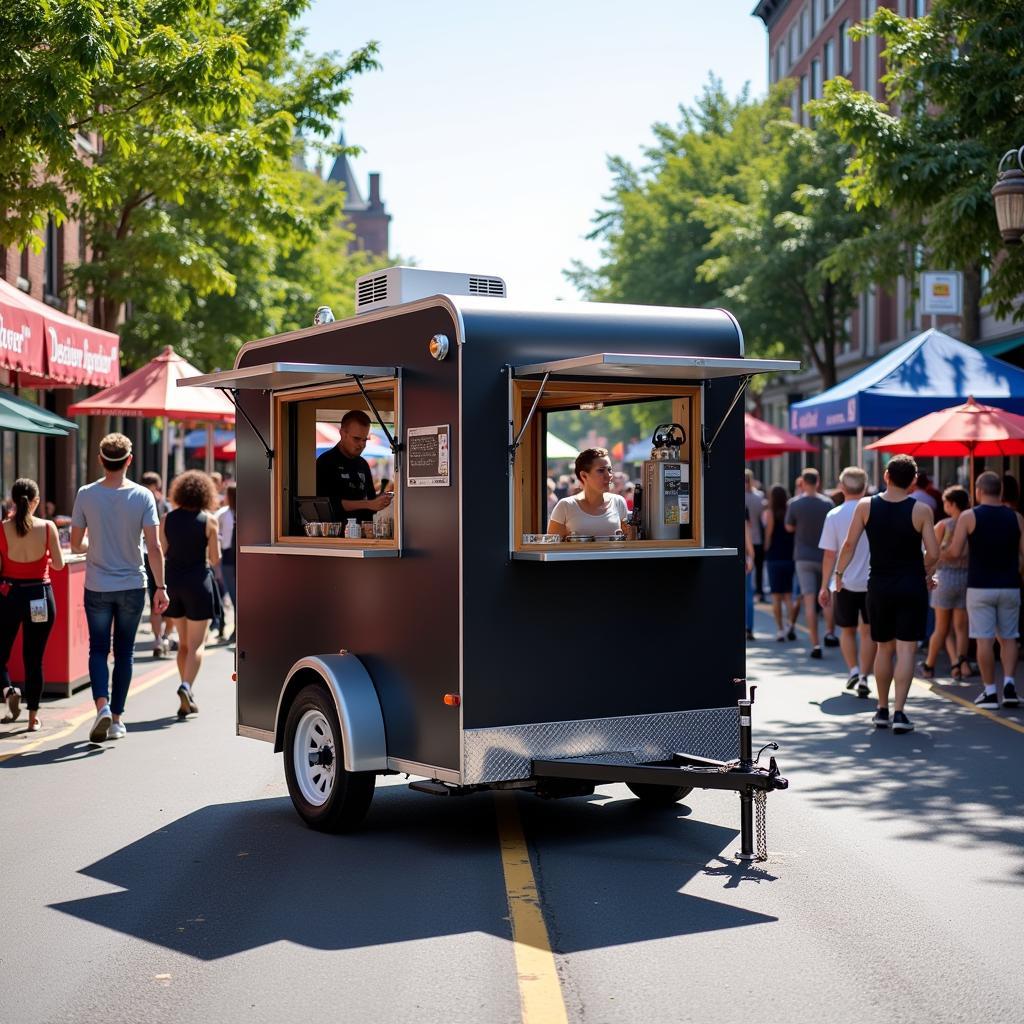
21, 332
80, 356
427, 456
941, 293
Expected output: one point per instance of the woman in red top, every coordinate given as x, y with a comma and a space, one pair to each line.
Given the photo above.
28, 547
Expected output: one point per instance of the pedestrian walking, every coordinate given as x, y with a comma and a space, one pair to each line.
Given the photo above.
898, 582
161, 639
748, 552
191, 546
110, 518
226, 524
778, 560
755, 502
949, 598
28, 548
805, 517
993, 536
850, 603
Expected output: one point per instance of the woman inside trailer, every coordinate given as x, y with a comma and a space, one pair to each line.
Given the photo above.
595, 511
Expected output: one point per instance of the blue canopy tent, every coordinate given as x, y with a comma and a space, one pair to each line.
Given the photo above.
932, 371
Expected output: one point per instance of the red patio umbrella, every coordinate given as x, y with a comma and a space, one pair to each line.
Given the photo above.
969, 429
763, 441
152, 391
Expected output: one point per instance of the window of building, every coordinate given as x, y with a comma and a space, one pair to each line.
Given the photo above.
805, 28
53, 260
804, 99
23, 265
781, 62
920, 8
568, 407
846, 62
829, 59
311, 494
816, 79
794, 42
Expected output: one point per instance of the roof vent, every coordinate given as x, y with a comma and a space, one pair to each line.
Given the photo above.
396, 285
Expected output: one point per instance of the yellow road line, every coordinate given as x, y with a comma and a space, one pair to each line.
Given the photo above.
74, 723
540, 994
962, 701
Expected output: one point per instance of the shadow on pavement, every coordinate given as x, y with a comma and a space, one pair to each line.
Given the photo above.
68, 753
233, 877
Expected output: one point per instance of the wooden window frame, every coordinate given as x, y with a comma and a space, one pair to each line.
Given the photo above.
528, 470
282, 469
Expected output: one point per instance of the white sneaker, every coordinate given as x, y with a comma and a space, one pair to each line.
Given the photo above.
100, 728
117, 731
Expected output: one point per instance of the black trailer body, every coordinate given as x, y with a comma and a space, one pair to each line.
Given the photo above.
461, 651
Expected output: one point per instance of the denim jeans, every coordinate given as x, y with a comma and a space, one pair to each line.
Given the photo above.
122, 610
230, 585
749, 603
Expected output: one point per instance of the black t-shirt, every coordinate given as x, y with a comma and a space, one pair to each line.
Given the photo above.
339, 477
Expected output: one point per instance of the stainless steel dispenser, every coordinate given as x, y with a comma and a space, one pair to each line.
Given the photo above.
666, 483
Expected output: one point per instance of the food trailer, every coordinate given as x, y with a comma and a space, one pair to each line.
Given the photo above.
459, 645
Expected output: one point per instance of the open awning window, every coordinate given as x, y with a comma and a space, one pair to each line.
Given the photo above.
621, 365
282, 376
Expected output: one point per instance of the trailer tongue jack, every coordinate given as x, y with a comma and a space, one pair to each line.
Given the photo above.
682, 771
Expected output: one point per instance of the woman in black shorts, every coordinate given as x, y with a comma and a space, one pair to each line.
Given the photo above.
189, 538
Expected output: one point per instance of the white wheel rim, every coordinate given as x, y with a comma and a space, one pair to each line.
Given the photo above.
314, 757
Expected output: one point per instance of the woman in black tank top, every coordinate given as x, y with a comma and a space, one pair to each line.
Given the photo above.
189, 537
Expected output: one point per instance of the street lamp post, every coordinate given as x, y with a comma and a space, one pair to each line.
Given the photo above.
1008, 193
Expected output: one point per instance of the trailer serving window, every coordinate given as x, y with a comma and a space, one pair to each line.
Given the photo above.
308, 404
622, 392
317, 482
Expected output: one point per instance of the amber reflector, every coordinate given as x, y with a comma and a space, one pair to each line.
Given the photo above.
453, 700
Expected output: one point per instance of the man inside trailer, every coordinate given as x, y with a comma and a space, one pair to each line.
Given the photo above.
343, 475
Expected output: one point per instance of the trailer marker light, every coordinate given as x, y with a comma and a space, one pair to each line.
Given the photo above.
453, 700
234, 677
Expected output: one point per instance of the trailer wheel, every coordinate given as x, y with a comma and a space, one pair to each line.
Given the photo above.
658, 796
328, 798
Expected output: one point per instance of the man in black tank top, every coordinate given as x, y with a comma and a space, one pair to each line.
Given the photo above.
896, 526
994, 538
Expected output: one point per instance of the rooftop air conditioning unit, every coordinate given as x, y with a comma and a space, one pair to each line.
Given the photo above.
392, 287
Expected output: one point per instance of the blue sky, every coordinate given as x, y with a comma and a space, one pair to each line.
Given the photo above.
491, 124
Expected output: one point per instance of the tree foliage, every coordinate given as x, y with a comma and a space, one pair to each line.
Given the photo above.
926, 159
197, 106
737, 207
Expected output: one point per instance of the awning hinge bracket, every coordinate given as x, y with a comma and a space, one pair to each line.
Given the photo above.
395, 445
231, 394
514, 445
706, 445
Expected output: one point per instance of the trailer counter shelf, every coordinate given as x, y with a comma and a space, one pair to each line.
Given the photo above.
445, 653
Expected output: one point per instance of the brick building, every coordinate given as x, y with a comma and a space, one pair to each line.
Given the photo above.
809, 42
59, 464
368, 217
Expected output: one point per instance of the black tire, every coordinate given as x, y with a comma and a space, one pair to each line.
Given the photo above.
345, 804
658, 796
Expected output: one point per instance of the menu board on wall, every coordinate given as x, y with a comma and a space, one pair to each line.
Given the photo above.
427, 454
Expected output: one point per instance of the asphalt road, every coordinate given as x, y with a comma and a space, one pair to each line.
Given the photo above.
166, 878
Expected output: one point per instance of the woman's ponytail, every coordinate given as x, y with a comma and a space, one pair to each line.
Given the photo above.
23, 493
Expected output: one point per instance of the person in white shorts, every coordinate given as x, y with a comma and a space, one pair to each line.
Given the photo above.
850, 603
994, 538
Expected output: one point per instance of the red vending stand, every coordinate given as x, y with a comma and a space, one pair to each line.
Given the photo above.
66, 661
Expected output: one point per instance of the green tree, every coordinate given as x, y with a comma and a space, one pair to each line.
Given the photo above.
738, 207
926, 159
198, 105
773, 234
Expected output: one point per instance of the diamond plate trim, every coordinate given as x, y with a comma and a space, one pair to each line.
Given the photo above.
504, 753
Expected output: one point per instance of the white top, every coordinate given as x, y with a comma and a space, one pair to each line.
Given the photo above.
569, 514
226, 525
833, 535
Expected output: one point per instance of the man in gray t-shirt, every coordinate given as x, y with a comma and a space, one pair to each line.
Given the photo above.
805, 516
115, 513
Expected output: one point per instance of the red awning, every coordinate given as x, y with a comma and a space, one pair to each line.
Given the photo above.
21, 332
152, 390
48, 346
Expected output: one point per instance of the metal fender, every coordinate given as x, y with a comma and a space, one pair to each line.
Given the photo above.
355, 700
